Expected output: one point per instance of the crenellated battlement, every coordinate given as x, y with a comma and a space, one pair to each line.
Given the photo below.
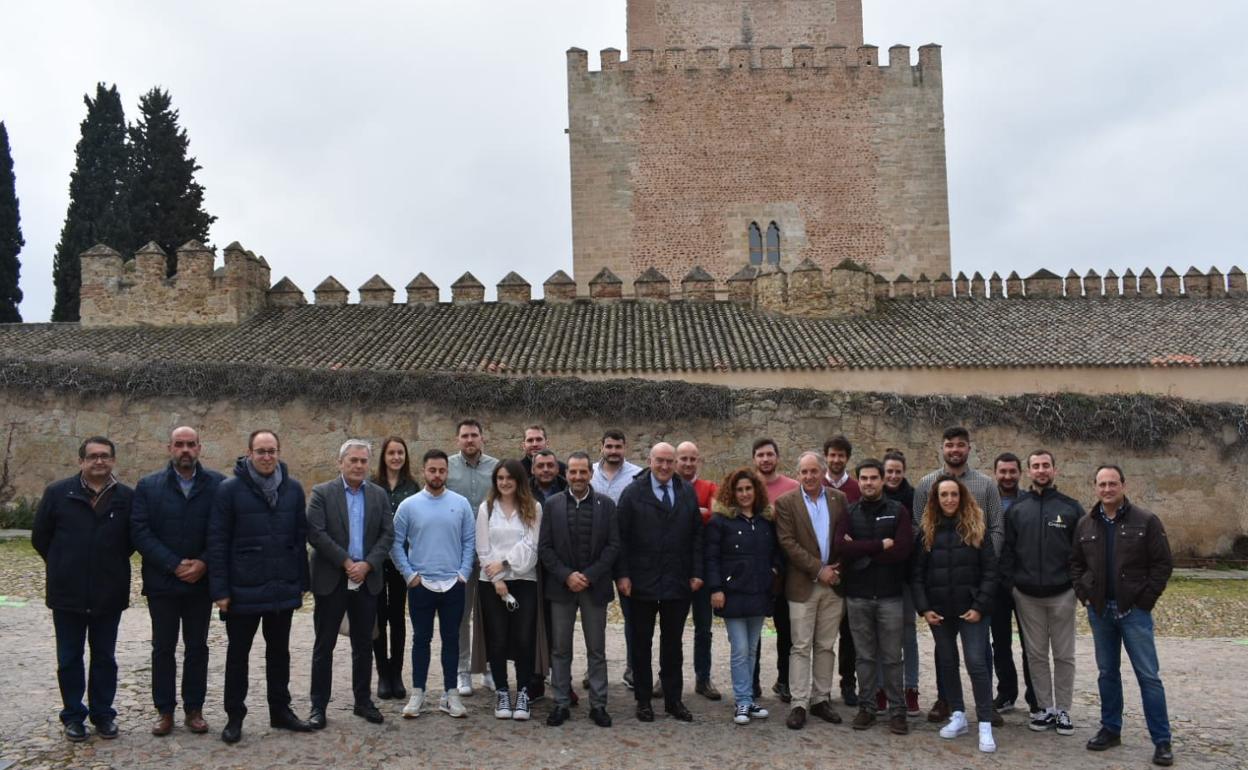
118, 292
864, 61
138, 293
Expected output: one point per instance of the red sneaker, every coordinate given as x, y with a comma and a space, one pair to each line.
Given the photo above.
881, 702
912, 702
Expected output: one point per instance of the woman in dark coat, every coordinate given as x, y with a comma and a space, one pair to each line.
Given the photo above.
955, 574
394, 474
742, 560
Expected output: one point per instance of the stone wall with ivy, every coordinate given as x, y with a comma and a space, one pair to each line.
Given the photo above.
1183, 459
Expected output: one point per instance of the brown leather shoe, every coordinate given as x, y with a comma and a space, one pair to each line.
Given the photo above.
824, 711
195, 722
163, 725
863, 719
897, 725
939, 712
797, 718
997, 719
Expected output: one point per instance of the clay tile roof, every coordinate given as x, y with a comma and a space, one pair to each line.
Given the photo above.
376, 283
583, 338
559, 278
467, 280
330, 284
421, 281
513, 279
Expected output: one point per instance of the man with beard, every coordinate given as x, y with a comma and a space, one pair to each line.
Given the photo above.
535, 443
1039, 540
546, 479
169, 527
766, 456
836, 453
611, 476
470, 472
1007, 469
897, 488
955, 450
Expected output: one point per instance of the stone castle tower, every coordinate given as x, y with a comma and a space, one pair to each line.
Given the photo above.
757, 132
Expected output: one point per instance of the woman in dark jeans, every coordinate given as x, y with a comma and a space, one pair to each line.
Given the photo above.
742, 564
954, 577
394, 474
508, 523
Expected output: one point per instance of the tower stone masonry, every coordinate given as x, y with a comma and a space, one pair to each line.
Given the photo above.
728, 114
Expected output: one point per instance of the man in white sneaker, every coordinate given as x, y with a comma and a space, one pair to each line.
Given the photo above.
434, 545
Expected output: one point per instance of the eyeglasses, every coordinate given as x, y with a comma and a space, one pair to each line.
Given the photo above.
98, 457
265, 452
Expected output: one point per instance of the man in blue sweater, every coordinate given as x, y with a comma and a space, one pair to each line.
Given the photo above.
439, 530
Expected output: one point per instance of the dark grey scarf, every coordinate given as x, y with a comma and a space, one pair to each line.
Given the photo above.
268, 484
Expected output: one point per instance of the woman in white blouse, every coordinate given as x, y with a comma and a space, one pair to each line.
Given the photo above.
508, 524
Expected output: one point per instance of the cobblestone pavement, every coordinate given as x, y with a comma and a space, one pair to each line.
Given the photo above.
1205, 682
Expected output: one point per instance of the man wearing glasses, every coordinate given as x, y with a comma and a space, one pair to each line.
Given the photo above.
82, 531
257, 573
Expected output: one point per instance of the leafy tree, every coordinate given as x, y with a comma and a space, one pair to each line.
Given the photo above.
10, 235
163, 201
93, 215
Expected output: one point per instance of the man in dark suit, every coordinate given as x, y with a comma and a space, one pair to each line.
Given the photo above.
351, 530
659, 568
578, 546
169, 526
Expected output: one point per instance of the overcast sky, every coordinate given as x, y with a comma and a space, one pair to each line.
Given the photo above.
399, 137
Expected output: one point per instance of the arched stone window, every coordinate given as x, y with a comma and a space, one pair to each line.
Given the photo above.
756, 244
773, 244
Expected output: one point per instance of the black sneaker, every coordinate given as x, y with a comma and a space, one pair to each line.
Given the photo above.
107, 729
1163, 755
1003, 705
1063, 724
75, 732
1104, 739
1045, 721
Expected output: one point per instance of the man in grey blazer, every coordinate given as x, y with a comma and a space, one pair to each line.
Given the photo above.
578, 545
350, 529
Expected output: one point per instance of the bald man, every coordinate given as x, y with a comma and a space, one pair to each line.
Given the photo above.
688, 466
659, 569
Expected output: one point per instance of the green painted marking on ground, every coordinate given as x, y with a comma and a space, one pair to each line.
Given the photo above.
12, 601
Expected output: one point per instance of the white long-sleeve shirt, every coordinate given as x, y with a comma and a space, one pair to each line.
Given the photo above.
505, 538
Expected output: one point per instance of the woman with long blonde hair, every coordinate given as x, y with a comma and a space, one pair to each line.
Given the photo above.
953, 582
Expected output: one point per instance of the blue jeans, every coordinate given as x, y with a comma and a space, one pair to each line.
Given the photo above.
73, 630
1135, 632
743, 636
422, 605
702, 619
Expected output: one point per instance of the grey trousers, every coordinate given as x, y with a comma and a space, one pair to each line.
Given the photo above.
594, 629
1049, 623
877, 625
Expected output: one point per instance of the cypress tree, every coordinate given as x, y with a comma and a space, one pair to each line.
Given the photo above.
162, 198
93, 215
10, 235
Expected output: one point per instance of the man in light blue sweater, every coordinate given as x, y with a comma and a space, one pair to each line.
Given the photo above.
434, 544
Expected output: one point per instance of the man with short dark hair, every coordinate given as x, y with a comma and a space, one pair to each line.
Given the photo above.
350, 529
470, 473
257, 574
169, 527
546, 479
1035, 563
955, 450
836, 453
611, 476
1007, 469
535, 442
659, 568
82, 532
578, 546
1120, 566
765, 457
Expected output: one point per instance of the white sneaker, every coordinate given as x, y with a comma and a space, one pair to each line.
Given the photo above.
452, 705
986, 743
956, 726
758, 712
502, 704
465, 684
488, 681
414, 704
521, 712
742, 715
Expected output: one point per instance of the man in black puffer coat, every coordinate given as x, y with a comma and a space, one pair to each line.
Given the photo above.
82, 531
258, 572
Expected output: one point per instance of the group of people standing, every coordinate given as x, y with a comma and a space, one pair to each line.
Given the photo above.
506, 554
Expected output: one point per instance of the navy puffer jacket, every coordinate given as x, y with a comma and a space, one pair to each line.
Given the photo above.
742, 560
258, 555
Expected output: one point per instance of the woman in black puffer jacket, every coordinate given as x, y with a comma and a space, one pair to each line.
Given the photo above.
742, 558
954, 576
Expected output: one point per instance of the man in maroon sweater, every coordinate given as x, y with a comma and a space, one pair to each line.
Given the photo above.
874, 540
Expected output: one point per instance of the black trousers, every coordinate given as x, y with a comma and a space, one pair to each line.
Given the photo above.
360, 609
784, 644
191, 615
847, 661
391, 618
240, 630
671, 615
510, 635
1002, 626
